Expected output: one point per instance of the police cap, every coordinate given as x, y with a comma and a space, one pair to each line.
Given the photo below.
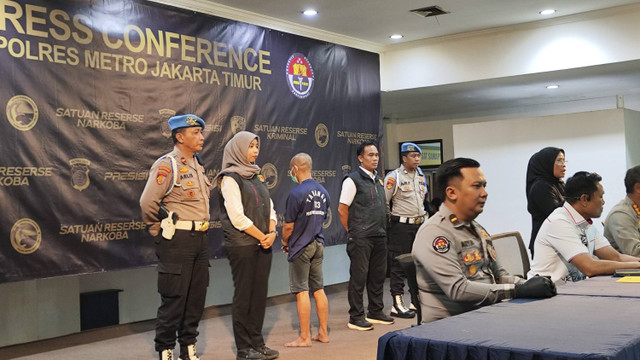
182, 121
410, 147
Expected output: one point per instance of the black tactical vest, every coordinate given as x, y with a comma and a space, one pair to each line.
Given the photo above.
256, 203
368, 211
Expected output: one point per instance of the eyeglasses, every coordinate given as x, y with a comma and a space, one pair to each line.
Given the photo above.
561, 162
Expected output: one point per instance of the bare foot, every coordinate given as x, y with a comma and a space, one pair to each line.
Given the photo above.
322, 339
299, 342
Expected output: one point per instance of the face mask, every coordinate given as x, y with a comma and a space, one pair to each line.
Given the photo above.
293, 178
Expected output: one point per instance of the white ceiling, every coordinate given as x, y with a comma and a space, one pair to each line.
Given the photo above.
373, 21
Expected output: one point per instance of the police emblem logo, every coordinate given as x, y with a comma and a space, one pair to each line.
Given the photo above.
165, 114
270, 174
238, 123
26, 236
322, 135
390, 183
299, 75
190, 183
22, 112
191, 121
161, 178
441, 245
80, 173
473, 269
468, 258
184, 169
411, 148
327, 221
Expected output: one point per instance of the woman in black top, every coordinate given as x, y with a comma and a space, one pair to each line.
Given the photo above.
545, 189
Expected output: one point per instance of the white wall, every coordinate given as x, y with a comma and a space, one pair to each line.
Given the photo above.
593, 141
568, 42
632, 137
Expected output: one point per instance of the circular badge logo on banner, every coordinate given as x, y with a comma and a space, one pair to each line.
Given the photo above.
270, 174
322, 135
327, 222
22, 112
26, 236
165, 114
299, 75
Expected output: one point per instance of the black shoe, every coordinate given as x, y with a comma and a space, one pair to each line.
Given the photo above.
380, 318
359, 324
249, 353
268, 353
399, 310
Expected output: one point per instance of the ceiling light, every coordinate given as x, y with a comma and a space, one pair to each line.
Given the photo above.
396, 36
547, 12
310, 12
553, 86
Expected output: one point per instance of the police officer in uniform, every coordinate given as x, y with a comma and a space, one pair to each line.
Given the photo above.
457, 268
405, 190
175, 206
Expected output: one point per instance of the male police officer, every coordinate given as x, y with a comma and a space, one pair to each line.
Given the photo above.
456, 265
405, 189
175, 206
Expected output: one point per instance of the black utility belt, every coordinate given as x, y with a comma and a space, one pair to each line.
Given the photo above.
408, 220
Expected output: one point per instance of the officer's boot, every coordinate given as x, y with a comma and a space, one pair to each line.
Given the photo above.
399, 310
188, 352
166, 354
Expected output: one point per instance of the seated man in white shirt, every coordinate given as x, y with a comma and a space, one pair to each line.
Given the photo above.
566, 242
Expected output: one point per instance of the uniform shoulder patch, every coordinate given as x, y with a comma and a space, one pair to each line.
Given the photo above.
165, 169
161, 178
441, 245
390, 183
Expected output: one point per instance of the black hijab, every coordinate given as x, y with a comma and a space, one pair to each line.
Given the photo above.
541, 166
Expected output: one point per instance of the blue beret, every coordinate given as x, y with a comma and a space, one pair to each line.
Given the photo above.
410, 147
182, 121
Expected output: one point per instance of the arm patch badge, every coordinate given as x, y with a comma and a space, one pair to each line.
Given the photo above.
441, 245
390, 183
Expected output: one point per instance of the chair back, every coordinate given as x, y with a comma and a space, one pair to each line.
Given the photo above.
511, 253
409, 269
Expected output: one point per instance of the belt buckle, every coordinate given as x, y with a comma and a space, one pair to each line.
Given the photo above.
204, 226
419, 220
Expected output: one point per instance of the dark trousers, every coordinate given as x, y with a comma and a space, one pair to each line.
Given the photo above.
250, 267
401, 238
368, 268
183, 277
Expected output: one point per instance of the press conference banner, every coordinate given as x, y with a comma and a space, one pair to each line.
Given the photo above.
88, 87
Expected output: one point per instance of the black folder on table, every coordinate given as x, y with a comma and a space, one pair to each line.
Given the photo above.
627, 272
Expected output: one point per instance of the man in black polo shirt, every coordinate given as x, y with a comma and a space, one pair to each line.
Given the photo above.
363, 214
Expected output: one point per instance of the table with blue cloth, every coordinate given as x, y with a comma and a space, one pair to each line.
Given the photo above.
596, 318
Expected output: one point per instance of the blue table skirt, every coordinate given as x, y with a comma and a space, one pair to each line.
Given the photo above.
563, 327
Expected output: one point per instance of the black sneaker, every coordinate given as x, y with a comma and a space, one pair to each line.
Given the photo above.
380, 318
249, 354
359, 324
268, 353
